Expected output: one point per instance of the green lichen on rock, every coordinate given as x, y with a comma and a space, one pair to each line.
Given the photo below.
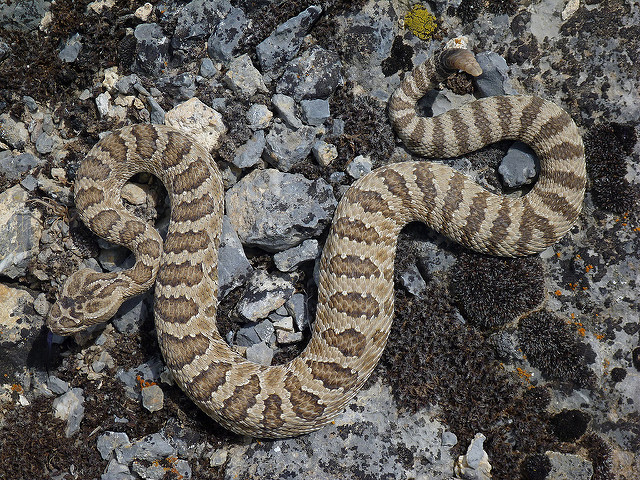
420, 22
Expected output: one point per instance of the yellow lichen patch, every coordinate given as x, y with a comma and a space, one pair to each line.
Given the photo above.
420, 22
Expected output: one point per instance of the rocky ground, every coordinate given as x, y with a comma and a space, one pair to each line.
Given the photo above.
527, 367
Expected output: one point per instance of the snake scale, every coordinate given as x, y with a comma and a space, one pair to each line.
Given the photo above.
356, 290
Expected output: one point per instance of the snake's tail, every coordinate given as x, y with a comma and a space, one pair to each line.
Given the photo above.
454, 59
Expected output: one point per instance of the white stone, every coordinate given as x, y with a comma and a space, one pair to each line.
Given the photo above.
144, 11
103, 102
324, 153
284, 323
243, 77
571, 8
110, 78
198, 120
100, 5
12, 301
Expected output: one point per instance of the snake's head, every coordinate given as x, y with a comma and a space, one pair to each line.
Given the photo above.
88, 297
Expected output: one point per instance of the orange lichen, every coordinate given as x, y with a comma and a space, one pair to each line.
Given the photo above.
144, 383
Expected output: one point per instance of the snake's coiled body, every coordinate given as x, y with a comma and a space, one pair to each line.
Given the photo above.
355, 298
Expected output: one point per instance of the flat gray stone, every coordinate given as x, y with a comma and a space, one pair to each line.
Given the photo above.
316, 73
283, 44
152, 49
275, 211
233, 266
224, 40
264, 294
285, 146
519, 166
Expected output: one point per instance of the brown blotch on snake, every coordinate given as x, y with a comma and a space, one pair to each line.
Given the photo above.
355, 302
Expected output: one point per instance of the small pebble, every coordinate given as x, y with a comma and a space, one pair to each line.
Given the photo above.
152, 398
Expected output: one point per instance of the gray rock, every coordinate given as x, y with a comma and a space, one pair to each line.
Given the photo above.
103, 103
133, 313
519, 166
179, 467
196, 20
413, 281
260, 353
12, 132
367, 35
233, 266
337, 127
243, 78
285, 147
264, 294
288, 260
223, 42
117, 471
44, 143
29, 102
259, 116
315, 74
475, 464
297, 307
126, 85
565, 466
157, 112
23, 15
283, 44
13, 166
315, 112
494, 79
29, 182
179, 88
69, 407
152, 398
247, 336
285, 106
20, 234
285, 337
150, 448
324, 153
109, 441
250, 153
275, 211
207, 68
449, 439
359, 166
57, 385
152, 49
71, 50
265, 331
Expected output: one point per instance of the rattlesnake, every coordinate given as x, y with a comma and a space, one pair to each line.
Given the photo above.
355, 297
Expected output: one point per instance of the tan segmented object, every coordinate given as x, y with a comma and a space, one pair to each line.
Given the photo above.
355, 298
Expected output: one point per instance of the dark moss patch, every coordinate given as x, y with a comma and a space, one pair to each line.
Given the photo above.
569, 425
492, 291
366, 128
469, 10
635, 358
599, 453
606, 148
554, 348
535, 467
399, 58
618, 374
432, 358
